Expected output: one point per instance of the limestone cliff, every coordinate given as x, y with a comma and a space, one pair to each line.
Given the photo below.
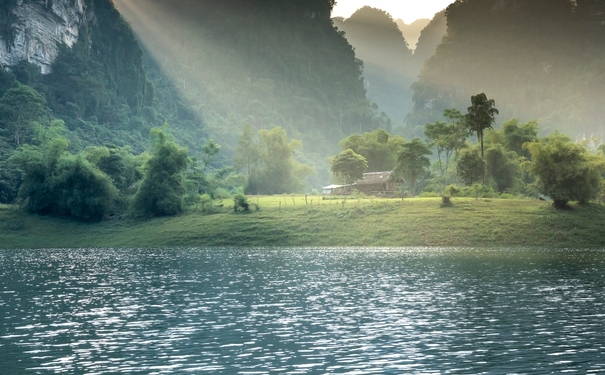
38, 27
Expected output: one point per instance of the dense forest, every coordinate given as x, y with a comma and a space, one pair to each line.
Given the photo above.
267, 64
541, 60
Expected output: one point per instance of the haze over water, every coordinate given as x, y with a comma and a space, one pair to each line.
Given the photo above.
302, 311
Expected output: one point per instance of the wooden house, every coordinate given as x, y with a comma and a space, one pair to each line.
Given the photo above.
378, 183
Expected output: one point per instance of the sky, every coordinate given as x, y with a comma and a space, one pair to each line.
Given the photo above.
408, 10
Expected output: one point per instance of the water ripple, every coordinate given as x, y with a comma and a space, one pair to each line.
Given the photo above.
297, 311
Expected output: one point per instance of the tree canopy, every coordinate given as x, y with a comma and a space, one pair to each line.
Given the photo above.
565, 171
349, 166
481, 116
412, 162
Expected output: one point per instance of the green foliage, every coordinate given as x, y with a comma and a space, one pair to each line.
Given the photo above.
349, 166
118, 163
19, 108
247, 153
471, 167
80, 190
504, 168
10, 180
99, 85
441, 137
481, 116
379, 148
58, 183
276, 171
240, 202
540, 59
285, 65
516, 135
412, 162
565, 171
161, 190
452, 190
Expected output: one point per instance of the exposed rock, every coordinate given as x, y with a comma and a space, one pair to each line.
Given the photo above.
40, 27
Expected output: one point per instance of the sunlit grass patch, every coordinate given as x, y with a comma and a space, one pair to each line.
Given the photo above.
293, 221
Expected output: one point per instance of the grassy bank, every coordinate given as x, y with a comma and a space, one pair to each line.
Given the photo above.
288, 221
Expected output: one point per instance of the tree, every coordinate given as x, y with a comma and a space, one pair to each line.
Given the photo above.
161, 190
379, 148
565, 171
459, 129
247, 152
515, 135
19, 107
481, 116
56, 182
81, 190
349, 166
471, 166
445, 139
412, 161
278, 172
503, 167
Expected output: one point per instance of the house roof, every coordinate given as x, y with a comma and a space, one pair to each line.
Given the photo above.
333, 186
374, 178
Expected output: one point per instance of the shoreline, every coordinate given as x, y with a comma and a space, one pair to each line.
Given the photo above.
288, 221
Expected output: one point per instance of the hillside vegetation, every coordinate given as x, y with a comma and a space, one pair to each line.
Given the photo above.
540, 60
268, 63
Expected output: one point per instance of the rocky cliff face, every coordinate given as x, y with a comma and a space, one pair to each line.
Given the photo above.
39, 27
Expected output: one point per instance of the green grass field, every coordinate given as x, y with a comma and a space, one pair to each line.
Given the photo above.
290, 221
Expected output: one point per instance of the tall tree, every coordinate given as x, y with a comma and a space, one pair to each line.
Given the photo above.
460, 130
246, 152
278, 172
439, 136
19, 107
412, 161
471, 166
481, 116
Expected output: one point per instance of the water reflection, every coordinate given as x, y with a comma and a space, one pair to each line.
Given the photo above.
296, 311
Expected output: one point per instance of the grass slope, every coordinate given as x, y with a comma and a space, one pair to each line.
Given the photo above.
288, 221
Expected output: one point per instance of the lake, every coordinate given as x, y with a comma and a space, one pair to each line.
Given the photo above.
302, 311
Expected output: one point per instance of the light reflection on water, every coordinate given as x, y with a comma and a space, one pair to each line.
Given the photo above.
302, 311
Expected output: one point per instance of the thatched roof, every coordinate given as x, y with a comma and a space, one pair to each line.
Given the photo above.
374, 178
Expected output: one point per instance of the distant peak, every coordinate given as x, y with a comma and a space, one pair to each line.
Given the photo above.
373, 17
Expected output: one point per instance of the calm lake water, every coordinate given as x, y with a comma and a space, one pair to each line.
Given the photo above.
302, 311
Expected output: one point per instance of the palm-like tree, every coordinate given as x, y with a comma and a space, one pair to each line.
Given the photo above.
481, 116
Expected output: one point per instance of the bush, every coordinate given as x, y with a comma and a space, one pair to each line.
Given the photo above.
161, 191
240, 201
565, 171
452, 190
221, 193
80, 190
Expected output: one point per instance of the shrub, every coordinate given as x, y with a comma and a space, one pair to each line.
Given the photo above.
452, 190
240, 201
161, 190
